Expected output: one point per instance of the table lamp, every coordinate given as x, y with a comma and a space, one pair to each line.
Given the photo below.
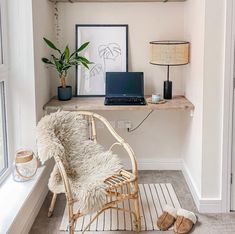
169, 53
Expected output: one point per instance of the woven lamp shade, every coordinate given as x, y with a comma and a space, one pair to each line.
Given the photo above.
169, 53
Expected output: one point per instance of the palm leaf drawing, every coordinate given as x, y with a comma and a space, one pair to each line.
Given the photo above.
96, 70
110, 51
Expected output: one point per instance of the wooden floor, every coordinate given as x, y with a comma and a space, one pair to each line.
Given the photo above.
207, 224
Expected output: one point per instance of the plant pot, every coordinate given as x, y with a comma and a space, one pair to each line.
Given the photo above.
65, 94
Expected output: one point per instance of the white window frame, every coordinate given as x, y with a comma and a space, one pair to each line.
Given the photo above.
4, 74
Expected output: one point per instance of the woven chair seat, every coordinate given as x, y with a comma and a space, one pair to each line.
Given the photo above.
118, 180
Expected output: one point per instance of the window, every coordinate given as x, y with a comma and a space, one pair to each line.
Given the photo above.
4, 161
3, 135
1, 44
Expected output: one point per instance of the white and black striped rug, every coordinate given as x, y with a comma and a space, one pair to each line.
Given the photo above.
153, 197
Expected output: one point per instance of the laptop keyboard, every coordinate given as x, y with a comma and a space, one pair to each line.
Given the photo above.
125, 101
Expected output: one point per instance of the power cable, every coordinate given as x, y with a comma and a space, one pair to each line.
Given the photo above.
133, 129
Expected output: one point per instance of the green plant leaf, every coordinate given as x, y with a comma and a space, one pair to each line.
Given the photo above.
82, 47
51, 45
66, 67
65, 60
74, 62
84, 60
46, 60
85, 65
67, 54
54, 57
62, 57
57, 64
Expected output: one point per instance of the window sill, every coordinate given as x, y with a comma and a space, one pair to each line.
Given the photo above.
4, 176
13, 195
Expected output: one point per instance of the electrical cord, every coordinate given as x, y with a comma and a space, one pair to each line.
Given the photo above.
133, 129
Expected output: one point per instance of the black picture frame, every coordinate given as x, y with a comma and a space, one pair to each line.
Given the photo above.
77, 26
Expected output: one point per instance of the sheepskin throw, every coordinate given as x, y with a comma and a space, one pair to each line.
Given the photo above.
86, 163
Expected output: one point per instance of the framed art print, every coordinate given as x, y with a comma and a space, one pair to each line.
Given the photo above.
108, 50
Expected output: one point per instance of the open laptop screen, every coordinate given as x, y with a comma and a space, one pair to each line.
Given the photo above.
124, 84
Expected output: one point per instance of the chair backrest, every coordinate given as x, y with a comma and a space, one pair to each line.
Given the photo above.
60, 134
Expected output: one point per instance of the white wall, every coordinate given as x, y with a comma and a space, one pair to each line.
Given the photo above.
29, 80
159, 138
21, 73
156, 143
43, 26
213, 97
205, 28
194, 32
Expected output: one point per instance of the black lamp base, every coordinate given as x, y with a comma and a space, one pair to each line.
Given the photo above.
167, 94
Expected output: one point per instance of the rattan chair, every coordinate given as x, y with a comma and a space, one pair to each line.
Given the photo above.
117, 184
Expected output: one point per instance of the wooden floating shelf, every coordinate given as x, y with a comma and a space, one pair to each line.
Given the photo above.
97, 104
117, 1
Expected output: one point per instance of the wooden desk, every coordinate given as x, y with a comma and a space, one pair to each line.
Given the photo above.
97, 104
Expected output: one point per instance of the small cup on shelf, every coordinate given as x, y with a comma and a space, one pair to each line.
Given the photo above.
156, 98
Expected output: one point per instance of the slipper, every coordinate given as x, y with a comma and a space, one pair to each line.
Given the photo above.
167, 219
184, 222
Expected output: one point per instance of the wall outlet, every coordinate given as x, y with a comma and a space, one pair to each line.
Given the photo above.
120, 124
113, 123
101, 125
128, 124
124, 124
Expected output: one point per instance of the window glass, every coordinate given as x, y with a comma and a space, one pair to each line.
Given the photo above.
1, 45
3, 138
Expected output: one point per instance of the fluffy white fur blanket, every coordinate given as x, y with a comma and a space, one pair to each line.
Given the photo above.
87, 164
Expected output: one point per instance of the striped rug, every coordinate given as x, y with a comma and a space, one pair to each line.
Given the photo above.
153, 197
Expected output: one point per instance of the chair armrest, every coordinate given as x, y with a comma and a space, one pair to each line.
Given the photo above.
130, 153
64, 176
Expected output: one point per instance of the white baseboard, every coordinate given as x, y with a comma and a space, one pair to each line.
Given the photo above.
143, 164
204, 205
29, 211
210, 205
191, 184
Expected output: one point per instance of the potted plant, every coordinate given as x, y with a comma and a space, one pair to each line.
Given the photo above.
62, 63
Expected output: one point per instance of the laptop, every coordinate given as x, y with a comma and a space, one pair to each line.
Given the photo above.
124, 88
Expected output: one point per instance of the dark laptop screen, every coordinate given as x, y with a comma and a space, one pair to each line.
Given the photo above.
119, 84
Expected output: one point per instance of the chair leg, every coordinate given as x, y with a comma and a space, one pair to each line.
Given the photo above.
71, 217
137, 212
137, 209
71, 226
52, 205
